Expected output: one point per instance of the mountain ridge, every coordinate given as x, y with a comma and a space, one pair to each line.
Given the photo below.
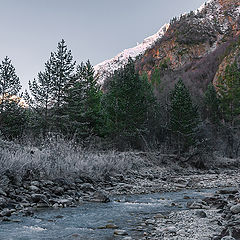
179, 48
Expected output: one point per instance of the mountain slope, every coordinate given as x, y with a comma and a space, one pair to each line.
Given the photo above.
109, 66
191, 47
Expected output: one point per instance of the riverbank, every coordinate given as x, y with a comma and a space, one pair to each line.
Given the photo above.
216, 217
31, 186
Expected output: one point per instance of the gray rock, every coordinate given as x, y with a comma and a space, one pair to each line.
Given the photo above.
99, 197
109, 226
170, 229
228, 191
2, 193
178, 185
149, 221
35, 183
195, 205
228, 238
59, 191
3, 202
42, 205
65, 201
33, 188
5, 213
120, 232
201, 214
47, 183
55, 205
6, 219
87, 187
39, 198
235, 209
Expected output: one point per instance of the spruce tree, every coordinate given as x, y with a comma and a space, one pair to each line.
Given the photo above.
229, 94
42, 100
12, 114
13, 120
61, 67
83, 103
49, 90
184, 116
212, 104
129, 100
9, 82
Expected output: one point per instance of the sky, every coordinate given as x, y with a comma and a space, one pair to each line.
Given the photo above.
93, 29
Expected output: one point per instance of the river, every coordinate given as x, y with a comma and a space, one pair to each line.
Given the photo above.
84, 221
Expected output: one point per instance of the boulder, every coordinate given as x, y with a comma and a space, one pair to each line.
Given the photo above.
228, 238
33, 188
35, 183
3, 202
2, 193
47, 183
228, 191
5, 213
201, 214
120, 232
59, 191
66, 202
87, 187
195, 205
235, 209
99, 197
39, 198
170, 229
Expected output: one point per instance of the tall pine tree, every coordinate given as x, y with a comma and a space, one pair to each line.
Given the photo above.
12, 114
49, 90
212, 104
42, 100
184, 116
83, 103
229, 94
129, 101
9, 82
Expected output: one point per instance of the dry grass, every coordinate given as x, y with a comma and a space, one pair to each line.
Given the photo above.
56, 157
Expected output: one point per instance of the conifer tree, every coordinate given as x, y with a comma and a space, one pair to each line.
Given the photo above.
12, 114
42, 100
61, 67
9, 81
212, 104
49, 90
83, 102
229, 93
183, 116
128, 103
13, 120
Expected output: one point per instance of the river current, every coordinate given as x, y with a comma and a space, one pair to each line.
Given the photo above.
85, 221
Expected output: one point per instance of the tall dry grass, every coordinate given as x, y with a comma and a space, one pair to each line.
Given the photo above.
56, 157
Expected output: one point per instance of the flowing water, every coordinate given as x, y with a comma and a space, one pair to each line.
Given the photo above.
83, 222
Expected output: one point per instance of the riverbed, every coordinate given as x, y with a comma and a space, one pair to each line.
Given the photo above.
99, 220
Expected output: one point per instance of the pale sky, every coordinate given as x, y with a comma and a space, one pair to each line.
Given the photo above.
93, 29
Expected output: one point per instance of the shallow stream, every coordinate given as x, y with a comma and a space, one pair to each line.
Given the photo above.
83, 222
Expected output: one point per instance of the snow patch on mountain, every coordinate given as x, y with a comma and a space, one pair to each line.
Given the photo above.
202, 7
104, 69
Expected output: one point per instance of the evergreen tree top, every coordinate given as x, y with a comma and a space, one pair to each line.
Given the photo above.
9, 81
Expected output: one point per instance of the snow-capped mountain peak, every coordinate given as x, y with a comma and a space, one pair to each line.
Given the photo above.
109, 66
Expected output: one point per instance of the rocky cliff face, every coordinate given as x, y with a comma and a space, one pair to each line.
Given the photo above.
193, 47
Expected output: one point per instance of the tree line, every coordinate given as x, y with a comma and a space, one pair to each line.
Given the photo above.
66, 99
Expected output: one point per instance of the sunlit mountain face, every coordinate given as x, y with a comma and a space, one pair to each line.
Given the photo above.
184, 47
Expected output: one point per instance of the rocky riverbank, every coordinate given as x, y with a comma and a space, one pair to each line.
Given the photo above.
29, 194
216, 217
211, 218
